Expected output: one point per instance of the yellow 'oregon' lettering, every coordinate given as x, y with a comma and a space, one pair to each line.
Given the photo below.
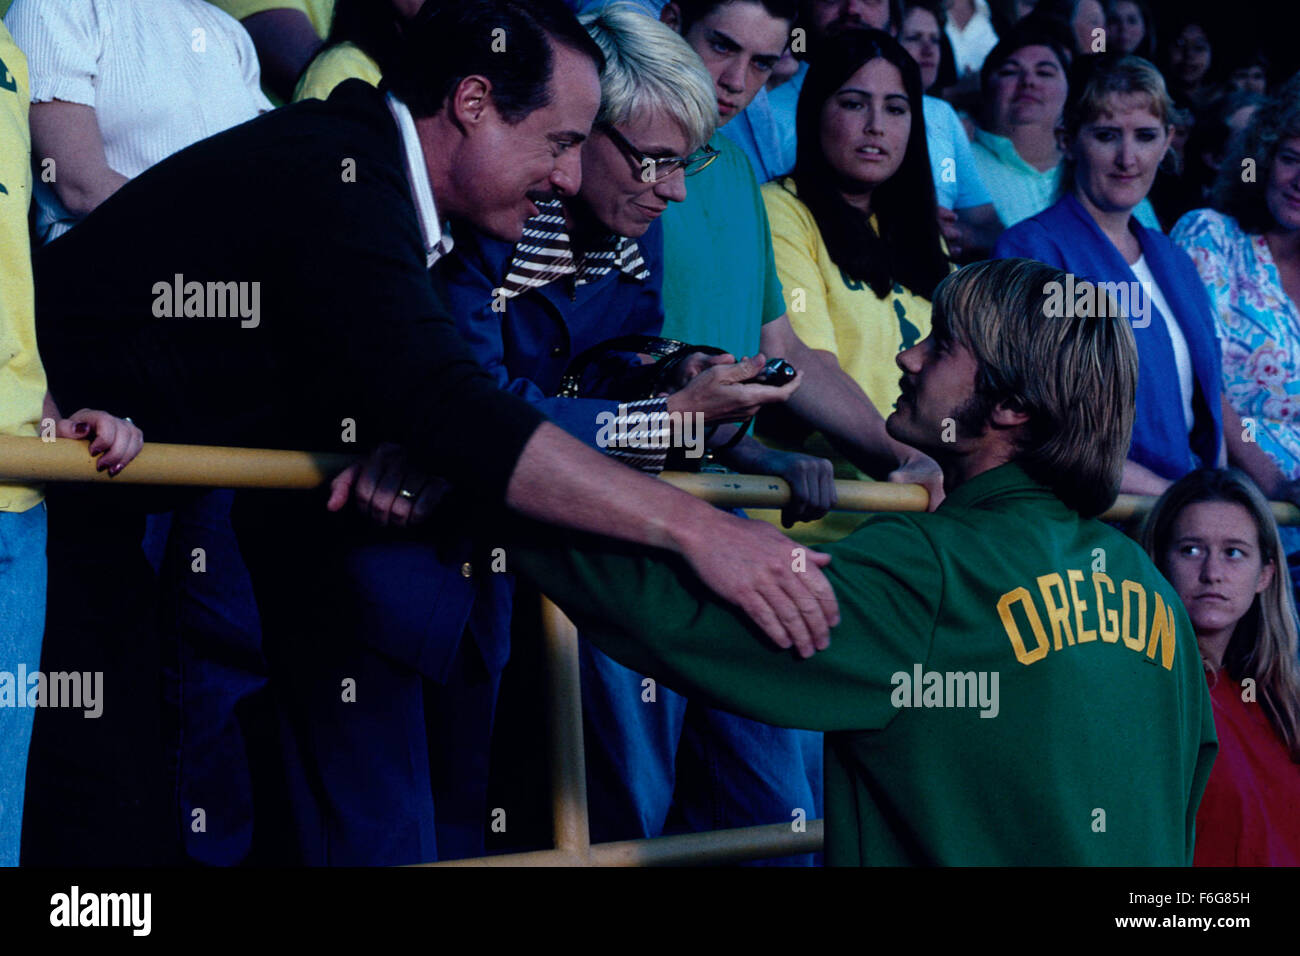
1162, 633
1058, 615
1107, 618
1013, 631
1075, 577
1127, 588
1062, 603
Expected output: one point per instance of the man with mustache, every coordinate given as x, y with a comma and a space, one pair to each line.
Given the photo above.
353, 349
1014, 682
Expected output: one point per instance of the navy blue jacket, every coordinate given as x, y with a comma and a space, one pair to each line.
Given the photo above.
1066, 236
415, 598
527, 347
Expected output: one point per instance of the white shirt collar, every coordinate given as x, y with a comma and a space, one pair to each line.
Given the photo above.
437, 243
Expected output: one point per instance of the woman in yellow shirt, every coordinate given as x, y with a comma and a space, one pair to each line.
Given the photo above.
362, 42
857, 245
27, 410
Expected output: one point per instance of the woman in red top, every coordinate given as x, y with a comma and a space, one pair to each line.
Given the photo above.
1212, 535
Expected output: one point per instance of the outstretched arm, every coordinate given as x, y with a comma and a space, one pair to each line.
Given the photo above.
748, 563
648, 611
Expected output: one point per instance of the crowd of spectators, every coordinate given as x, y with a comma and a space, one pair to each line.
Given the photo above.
463, 210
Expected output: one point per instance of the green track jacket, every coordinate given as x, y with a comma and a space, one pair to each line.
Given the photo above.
1010, 684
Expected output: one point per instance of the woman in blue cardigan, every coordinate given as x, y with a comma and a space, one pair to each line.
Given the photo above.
1117, 126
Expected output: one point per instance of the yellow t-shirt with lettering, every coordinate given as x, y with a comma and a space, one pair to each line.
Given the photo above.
833, 312
344, 61
22, 378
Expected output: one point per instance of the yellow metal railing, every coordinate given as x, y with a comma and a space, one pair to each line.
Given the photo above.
33, 460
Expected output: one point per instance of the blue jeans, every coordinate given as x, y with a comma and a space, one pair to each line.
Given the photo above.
22, 624
717, 770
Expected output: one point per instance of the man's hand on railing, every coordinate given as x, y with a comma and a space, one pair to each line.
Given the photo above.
777, 582
812, 485
115, 440
388, 488
921, 470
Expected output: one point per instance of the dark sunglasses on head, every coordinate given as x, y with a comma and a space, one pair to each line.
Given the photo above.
661, 167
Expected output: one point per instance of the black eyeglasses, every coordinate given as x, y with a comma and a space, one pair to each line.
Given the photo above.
657, 169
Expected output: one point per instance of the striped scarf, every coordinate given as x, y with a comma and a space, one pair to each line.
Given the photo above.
545, 253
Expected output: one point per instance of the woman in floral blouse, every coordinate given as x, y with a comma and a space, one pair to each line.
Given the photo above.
1247, 251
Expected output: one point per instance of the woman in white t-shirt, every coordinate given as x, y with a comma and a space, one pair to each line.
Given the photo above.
117, 85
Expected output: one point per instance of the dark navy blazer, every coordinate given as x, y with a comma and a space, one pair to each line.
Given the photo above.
1066, 236
415, 600
417, 596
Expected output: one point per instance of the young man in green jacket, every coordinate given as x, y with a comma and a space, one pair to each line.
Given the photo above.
1012, 682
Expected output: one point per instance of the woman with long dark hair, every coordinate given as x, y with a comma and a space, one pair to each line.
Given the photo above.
854, 227
1213, 536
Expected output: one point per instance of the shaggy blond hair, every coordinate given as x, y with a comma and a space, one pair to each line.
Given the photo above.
1075, 377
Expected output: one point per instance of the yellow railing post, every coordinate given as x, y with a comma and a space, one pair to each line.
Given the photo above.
567, 744
33, 460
